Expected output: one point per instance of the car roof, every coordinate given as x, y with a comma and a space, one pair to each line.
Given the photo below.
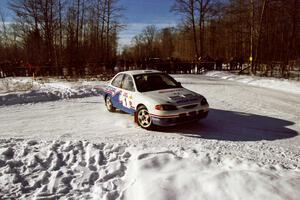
135, 72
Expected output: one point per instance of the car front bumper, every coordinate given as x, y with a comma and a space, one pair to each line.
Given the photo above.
179, 119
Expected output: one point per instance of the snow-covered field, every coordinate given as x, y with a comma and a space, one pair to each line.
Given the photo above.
247, 148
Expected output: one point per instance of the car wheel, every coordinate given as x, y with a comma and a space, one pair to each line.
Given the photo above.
109, 104
144, 119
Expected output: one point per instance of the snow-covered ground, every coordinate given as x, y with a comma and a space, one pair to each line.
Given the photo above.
272, 83
26, 90
247, 148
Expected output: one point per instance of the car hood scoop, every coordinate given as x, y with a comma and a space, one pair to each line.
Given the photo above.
178, 96
182, 96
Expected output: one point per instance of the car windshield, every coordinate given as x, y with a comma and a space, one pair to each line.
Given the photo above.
155, 81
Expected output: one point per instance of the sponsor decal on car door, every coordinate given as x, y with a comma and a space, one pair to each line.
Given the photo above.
115, 90
126, 94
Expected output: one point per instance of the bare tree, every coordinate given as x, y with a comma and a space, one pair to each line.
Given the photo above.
203, 8
113, 13
3, 28
188, 9
3, 35
167, 43
29, 19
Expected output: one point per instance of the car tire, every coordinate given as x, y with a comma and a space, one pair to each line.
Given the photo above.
144, 119
109, 104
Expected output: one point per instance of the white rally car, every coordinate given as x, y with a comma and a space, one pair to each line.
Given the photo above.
155, 98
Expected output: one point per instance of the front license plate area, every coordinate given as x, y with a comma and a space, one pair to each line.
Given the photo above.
192, 113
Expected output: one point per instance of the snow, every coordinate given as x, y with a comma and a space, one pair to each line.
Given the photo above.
51, 170
165, 175
85, 170
28, 90
247, 148
272, 83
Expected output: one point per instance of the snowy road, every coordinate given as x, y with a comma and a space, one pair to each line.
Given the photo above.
239, 112
246, 125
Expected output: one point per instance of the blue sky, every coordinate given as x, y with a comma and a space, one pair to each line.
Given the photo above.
140, 13
137, 15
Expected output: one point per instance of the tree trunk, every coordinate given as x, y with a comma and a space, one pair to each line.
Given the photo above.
251, 35
202, 11
108, 30
60, 37
262, 16
77, 27
194, 28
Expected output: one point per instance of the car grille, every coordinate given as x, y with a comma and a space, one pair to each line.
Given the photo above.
190, 114
184, 117
188, 117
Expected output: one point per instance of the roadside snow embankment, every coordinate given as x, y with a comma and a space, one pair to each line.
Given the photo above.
83, 170
26, 90
272, 83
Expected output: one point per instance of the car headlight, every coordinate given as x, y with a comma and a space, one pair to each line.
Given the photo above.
165, 107
204, 102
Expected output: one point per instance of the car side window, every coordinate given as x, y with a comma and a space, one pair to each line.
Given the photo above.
117, 82
128, 83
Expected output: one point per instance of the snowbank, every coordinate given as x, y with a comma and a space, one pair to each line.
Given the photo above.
273, 83
83, 170
26, 90
164, 175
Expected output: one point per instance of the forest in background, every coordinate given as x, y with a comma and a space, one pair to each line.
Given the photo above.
84, 33
60, 33
258, 31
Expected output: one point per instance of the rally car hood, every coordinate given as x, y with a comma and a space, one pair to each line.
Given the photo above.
176, 96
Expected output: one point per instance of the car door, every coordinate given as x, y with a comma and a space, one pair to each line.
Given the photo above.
117, 90
126, 96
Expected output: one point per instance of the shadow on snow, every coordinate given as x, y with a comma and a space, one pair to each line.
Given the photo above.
236, 126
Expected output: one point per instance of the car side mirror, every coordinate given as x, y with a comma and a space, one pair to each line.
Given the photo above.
179, 84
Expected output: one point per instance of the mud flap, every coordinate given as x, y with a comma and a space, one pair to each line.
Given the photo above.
135, 117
